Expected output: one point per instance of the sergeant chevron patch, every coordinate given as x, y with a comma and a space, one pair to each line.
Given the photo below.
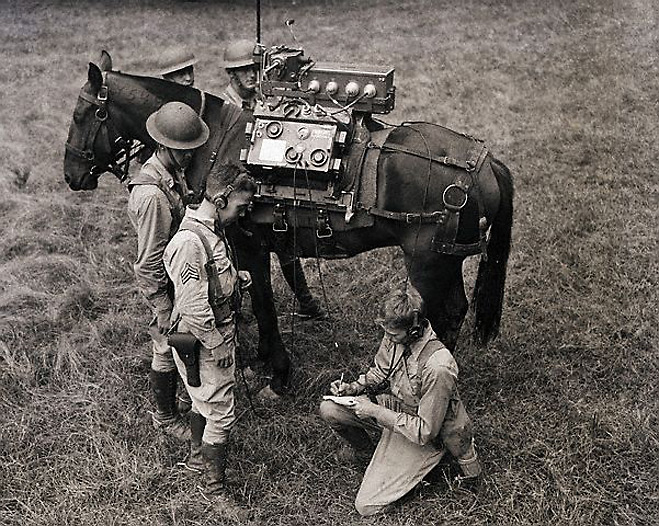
189, 272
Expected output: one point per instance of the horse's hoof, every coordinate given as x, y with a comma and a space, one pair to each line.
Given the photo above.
268, 395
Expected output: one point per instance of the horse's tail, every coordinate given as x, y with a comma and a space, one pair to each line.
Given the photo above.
487, 300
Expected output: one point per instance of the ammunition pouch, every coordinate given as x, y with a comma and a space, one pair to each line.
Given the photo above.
187, 348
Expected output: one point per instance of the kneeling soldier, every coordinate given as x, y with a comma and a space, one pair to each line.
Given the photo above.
420, 419
206, 293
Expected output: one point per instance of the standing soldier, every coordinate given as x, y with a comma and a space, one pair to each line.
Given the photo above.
207, 290
242, 91
421, 418
155, 209
177, 65
243, 74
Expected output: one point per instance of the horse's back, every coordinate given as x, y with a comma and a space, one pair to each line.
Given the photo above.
419, 161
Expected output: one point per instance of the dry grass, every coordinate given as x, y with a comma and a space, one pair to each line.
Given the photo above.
565, 402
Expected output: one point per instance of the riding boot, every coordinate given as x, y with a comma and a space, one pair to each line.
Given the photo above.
214, 489
195, 460
163, 386
309, 307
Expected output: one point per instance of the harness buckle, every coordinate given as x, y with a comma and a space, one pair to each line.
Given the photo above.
450, 194
102, 93
323, 228
279, 213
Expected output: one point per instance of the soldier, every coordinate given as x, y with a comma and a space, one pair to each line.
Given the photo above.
420, 419
177, 65
155, 209
243, 74
207, 292
242, 91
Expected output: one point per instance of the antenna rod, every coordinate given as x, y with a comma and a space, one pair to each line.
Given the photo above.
258, 21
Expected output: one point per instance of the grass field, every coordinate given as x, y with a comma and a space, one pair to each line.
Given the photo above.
565, 402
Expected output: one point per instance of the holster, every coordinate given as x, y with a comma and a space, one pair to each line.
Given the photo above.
187, 347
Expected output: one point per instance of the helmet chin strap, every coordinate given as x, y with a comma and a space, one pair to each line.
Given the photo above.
179, 175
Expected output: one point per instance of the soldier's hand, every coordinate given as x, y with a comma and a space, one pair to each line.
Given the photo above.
245, 279
363, 407
340, 388
163, 320
223, 356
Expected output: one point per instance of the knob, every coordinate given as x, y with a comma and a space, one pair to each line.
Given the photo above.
332, 88
314, 86
370, 91
352, 89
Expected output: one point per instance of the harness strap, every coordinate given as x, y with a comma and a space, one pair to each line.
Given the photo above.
447, 161
408, 217
222, 307
175, 200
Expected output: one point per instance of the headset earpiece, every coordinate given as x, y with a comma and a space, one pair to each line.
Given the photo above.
221, 200
416, 330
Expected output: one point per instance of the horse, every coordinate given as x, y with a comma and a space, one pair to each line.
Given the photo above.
471, 207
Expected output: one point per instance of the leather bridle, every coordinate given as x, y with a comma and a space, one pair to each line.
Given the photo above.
121, 150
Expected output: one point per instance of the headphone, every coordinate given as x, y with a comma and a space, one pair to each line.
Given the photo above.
416, 330
221, 200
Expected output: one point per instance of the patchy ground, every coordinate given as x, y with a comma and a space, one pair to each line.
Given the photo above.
565, 401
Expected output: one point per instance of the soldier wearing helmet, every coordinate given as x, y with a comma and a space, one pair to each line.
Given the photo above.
155, 209
242, 91
243, 74
177, 65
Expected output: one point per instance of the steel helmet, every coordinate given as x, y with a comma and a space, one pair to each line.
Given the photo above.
176, 125
175, 59
239, 54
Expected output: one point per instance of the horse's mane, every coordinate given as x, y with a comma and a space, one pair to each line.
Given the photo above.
149, 93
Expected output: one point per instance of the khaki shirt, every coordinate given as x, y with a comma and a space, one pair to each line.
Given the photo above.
185, 260
424, 382
154, 209
231, 95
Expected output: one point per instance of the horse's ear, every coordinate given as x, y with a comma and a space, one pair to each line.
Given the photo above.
95, 76
106, 61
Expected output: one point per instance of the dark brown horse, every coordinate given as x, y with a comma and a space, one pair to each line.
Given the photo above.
437, 208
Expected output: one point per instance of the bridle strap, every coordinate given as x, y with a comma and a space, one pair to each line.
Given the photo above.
120, 163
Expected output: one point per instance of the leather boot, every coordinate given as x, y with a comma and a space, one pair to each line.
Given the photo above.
195, 461
166, 418
214, 487
471, 472
183, 402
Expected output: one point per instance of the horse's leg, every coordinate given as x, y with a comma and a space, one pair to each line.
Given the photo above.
438, 278
254, 258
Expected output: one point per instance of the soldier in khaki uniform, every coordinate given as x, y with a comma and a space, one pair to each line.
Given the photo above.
207, 289
242, 91
155, 209
177, 65
421, 417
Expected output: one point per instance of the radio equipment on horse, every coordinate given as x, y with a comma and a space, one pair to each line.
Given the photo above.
288, 73
307, 123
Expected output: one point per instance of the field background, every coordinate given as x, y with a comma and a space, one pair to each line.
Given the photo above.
565, 402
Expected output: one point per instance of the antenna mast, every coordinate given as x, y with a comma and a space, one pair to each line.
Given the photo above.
258, 21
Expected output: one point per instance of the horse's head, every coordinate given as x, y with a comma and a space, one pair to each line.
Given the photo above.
94, 145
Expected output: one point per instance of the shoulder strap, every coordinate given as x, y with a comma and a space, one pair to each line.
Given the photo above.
191, 227
173, 198
430, 348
